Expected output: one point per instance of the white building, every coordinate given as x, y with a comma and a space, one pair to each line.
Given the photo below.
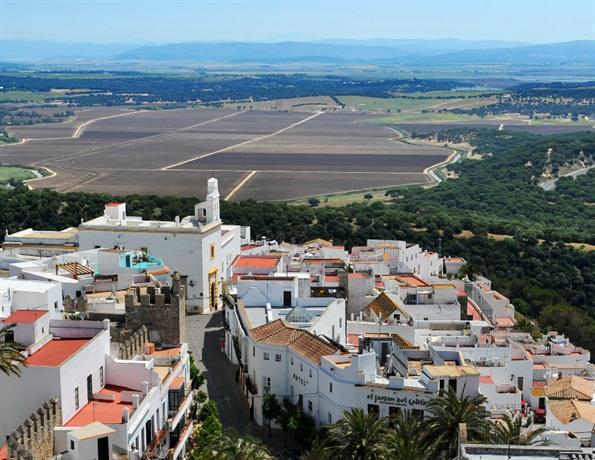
141, 405
199, 247
18, 294
39, 243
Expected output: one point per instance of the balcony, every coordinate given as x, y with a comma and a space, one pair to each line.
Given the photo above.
176, 451
155, 450
177, 414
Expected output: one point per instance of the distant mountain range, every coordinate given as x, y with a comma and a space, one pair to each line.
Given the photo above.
379, 51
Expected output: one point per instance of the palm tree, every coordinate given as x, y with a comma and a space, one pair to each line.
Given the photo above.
448, 412
11, 358
512, 430
357, 436
319, 450
405, 439
231, 446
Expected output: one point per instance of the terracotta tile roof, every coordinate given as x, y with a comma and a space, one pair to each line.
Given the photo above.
75, 269
177, 383
486, 379
567, 410
112, 204
278, 332
570, 387
4, 451
383, 306
161, 271
412, 280
24, 316
257, 261
108, 412
55, 352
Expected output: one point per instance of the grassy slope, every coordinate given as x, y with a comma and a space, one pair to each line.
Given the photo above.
14, 172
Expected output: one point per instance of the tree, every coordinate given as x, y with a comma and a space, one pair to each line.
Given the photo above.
405, 439
470, 271
11, 358
319, 450
368, 196
358, 435
512, 430
448, 411
313, 202
271, 409
230, 446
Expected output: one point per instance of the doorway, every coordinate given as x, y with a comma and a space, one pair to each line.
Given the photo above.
103, 448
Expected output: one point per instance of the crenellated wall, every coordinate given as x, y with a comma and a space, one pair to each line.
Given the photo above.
128, 346
34, 438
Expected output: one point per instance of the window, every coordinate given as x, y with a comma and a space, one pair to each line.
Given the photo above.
266, 385
277, 357
71, 445
340, 322
330, 419
333, 332
301, 367
212, 251
265, 356
76, 398
330, 387
55, 305
101, 376
309, 406
310, 372
291, 360
253, 351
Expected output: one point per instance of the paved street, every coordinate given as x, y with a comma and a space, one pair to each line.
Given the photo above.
204, 332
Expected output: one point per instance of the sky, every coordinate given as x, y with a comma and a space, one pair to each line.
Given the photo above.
167, 21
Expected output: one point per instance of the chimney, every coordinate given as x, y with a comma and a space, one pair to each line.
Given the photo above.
125, 415
145, 388
135, 400
176, 282
177, 219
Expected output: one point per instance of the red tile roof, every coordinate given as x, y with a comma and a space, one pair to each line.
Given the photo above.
331, 278
257, 261
353, 339
108, 412
55, 352
356, 275
278, 332
112, 204
24, 316
473, 311
486, 379
412, 280
177, 383
4, 451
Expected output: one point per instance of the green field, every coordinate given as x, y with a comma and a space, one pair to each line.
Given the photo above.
417, 106
15, 172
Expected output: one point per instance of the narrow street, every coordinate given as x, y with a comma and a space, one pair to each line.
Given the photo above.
203, 334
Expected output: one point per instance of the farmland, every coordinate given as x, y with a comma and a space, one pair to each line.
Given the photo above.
262, 155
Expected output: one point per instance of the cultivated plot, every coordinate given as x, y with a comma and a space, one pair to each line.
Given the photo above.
254, 154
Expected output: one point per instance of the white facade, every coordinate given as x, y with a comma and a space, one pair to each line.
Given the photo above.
198, 247
26, 295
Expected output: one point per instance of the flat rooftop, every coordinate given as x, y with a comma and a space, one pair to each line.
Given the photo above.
67, 233
108, 411
56, 352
